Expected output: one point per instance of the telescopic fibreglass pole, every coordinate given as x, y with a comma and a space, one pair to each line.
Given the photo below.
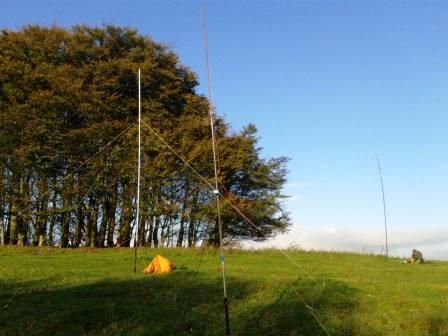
215, 165
384, 202
137, 217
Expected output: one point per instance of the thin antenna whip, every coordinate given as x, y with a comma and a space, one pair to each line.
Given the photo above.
384, 201
138, 173
216, 190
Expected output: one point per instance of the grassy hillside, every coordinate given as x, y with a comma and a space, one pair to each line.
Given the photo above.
95, 292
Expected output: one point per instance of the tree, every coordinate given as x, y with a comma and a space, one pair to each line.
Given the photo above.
68, 104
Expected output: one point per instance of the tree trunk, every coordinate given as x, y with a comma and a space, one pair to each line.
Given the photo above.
2, 204
41, 219
8, 225
180, 237
150, 230
214, 236
16, 217
79, 225
24, 217
105, 208
91, 222
141, 232
53, 218
2, 230
13, 226
162, 232
111, 217
191, 226
155, 232
125, 218
66, 214
65, 227
192, 222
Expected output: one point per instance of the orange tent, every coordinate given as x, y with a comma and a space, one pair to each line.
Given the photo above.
159, 264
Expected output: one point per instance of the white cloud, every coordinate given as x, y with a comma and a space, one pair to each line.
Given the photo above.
432, 242
295, 185
293, 198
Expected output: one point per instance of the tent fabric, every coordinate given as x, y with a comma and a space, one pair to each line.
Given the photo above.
159, 264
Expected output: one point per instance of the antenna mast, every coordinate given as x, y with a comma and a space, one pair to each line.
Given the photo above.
137, 220
384, 201
216, 190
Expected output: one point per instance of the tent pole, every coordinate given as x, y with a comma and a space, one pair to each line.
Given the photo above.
137, 218
215, 165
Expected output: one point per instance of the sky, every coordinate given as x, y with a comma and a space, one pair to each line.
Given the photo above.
328, 84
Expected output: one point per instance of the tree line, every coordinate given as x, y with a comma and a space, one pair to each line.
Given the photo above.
68, 138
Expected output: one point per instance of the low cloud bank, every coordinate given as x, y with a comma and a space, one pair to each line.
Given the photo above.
432, 242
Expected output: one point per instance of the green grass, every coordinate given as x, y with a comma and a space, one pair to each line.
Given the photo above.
95, 292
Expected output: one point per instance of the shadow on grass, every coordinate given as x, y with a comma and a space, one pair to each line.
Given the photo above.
171, 304
181, 303
436, 324
307, 308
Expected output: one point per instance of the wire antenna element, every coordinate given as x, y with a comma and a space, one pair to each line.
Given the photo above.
384, 201
215, 165
137, 217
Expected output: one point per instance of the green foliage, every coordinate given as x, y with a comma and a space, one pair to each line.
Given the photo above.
65, 94
95, 292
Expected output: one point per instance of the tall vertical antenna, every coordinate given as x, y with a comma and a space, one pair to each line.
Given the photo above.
384, 201
216, 191
137, 218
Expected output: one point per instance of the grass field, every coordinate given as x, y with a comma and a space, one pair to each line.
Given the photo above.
95, 292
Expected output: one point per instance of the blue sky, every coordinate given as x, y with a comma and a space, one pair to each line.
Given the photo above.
328, 84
